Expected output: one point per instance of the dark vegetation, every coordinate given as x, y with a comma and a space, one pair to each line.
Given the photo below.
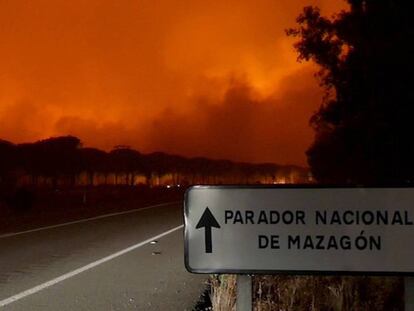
364, 125
61, 162
312, 293
57, 179
323, 293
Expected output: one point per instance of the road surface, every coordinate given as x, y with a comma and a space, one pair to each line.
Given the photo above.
106, 263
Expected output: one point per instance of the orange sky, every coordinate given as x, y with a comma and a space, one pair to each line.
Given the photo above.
198, 78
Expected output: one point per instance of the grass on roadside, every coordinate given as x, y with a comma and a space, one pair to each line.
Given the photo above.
312, 293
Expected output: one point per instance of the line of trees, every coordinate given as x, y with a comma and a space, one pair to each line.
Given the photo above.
62, 161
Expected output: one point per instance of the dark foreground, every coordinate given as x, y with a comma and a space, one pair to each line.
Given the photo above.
48, 269
26, 208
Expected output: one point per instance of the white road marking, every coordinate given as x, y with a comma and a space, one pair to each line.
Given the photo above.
73, 273
6, 235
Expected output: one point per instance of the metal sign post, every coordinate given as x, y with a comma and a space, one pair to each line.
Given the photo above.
409, 293
244, 301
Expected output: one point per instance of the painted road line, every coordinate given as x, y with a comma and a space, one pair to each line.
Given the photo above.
73, 273
6, 235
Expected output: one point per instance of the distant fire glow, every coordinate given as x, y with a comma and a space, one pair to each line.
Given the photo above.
202, 78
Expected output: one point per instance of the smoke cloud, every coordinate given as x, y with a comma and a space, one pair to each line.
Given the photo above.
208, 78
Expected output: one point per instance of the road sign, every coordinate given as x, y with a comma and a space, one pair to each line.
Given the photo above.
299, 230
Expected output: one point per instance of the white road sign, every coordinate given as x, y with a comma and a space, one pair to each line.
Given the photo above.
307, 229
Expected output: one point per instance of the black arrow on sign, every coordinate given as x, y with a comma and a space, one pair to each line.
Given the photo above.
208, 221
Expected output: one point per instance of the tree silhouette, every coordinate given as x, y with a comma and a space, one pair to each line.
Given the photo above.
127, 162
93, 161
363, 128
54, 158
8, 163
158, 164
61, 161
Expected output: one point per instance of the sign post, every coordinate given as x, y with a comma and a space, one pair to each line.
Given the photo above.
409, 293
244, 301
297, 230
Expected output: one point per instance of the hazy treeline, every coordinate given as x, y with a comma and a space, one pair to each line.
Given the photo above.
62, 161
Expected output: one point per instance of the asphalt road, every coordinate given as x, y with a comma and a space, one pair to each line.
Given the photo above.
100, 264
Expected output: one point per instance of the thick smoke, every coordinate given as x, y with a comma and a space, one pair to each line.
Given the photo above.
155, 75
243, 125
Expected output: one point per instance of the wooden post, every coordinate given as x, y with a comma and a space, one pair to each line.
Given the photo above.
244, 300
